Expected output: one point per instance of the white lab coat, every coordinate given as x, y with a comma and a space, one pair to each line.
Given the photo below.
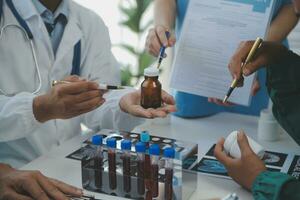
22, 137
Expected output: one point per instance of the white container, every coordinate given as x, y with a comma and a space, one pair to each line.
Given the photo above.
268, 127
231, 146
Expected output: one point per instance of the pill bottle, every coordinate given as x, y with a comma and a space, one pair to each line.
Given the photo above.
268, 127
231, 146
151, 89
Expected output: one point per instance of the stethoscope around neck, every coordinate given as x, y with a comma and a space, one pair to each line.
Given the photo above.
24, 28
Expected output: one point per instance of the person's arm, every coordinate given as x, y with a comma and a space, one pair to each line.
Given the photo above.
23, 113
121, 109
251, 173
283, 24
164, 20
32, 185
275, 186
165, 13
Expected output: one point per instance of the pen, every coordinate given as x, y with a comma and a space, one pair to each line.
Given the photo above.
101, 85
252, 52
162, 50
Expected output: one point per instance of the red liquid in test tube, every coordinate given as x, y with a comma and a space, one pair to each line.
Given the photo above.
145, 138
111, 144
140, 149
169, 154
154, 152
98, 160
126, 147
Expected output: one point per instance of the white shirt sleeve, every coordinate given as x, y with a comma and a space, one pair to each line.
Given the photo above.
110, 116
16, 116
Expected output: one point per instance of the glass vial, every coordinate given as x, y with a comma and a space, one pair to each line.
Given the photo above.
97, 141
145, 138
140, 149
111, 145
151, 89
154, 152
169, 154
126, 147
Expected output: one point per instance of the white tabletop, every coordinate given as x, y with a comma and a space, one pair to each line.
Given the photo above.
203, 131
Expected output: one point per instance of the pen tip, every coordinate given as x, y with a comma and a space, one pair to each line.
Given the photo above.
225, 99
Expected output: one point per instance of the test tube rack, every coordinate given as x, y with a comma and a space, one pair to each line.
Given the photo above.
184, 181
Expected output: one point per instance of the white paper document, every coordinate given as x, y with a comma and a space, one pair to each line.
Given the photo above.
211, 33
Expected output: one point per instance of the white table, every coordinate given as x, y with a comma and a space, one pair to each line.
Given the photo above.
204, 130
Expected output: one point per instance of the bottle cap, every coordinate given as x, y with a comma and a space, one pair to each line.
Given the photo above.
145, 137
231, 146
169, 152
151, 72
111, 142
126, 145
97, 140
140, 147
267, 115
154, 149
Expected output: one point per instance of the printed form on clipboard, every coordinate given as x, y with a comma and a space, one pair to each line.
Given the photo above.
211, 33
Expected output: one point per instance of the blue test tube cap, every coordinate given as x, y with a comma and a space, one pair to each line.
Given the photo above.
126, 145
145, 136
154, 150
140, 147
169, 152
97, 140
111, 142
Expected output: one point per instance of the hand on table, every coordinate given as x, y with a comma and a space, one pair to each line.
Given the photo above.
244, 170
130, 103
32, 185
69, 100
157, 38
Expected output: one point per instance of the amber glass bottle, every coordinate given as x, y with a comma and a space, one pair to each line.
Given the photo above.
151, 89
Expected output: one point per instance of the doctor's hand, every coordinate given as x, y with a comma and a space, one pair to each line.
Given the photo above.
69, 100
32, 185
130, 103
157, 38
268, 53
244, 170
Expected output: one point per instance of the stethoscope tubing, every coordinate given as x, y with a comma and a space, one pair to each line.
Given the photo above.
37, 90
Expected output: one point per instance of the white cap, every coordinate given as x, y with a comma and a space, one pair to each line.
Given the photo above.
151, 72
232, 148
267, 115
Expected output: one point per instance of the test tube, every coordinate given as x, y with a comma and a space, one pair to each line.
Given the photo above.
140, 149
169, 154
111, 145
145, 138
154, 151
126, 147
98, 160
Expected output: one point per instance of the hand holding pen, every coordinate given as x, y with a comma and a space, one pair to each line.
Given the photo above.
238, 79
267, 53
65, 101
157, 38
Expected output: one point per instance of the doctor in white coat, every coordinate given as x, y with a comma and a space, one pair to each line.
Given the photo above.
63, 39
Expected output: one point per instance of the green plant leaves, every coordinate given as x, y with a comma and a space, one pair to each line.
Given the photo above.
134, 14
126, 76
